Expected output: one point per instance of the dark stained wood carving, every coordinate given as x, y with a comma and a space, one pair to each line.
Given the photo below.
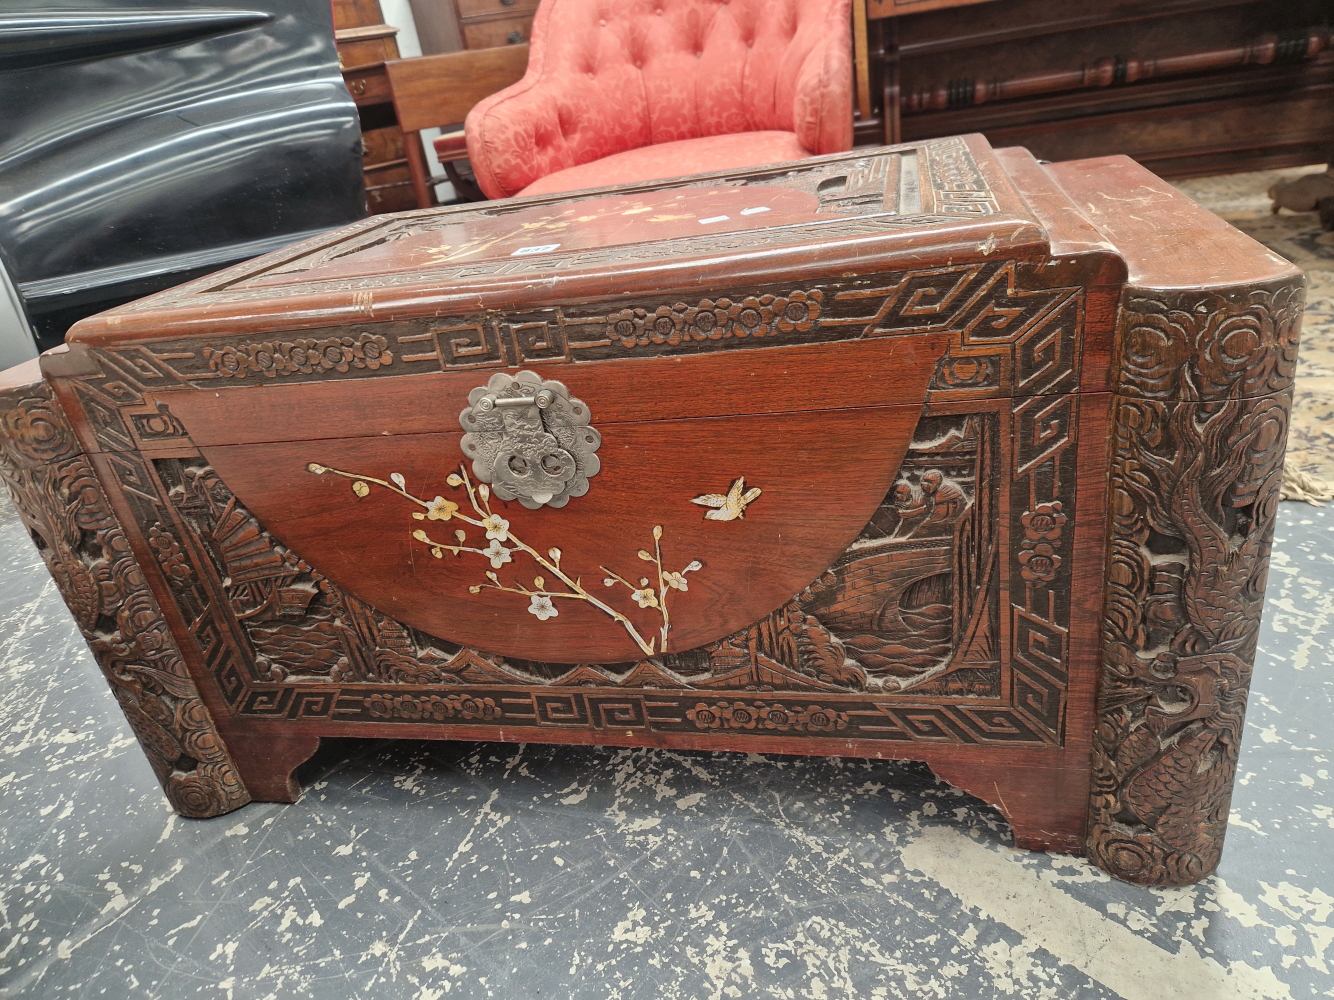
61, 501
911, 614
1193, 496
926, 358
988, 307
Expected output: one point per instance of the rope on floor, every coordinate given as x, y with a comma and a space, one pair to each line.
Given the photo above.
1299, 485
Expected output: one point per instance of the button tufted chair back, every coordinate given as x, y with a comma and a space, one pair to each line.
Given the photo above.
606, 76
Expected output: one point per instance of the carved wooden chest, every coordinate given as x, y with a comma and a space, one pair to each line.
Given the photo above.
925, 452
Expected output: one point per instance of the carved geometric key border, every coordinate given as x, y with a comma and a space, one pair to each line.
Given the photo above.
1030, 710
1004, 335
1006, 338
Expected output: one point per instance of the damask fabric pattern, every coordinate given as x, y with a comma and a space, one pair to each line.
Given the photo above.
606, 76
1241, 200
467, 871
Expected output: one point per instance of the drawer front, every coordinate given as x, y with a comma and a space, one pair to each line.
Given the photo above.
355, 13
368, 86
502, 31
381, 145
470, 9
389, 190
366, 52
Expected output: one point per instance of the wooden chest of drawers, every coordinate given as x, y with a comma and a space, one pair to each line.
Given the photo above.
488, 23
365, 43
924, 452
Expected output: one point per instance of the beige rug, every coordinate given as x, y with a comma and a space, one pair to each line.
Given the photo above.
1241, 200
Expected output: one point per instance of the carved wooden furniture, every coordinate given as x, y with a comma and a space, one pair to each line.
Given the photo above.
438, 92
1186, 87
927, 452
647, 89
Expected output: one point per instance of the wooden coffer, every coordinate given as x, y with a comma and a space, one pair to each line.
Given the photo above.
930, 452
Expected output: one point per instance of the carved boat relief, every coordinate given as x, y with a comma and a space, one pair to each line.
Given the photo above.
885, 616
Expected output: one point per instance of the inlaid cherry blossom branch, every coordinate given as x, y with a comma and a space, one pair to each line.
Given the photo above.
644, 595
497, 532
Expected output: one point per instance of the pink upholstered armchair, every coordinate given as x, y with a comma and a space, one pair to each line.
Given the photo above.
619, 91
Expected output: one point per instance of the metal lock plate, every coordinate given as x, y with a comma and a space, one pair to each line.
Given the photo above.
530, 439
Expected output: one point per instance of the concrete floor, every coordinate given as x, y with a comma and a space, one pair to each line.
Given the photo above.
461, 870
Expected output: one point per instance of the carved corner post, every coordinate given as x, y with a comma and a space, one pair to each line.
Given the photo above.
1200, 423
67, 514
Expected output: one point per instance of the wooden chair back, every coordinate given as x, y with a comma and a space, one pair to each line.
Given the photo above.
437, 91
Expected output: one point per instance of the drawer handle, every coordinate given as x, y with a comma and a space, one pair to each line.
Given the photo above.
514, 37
530, 439
358, 87
507, 3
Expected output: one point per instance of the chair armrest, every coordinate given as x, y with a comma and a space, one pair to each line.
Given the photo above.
451, 146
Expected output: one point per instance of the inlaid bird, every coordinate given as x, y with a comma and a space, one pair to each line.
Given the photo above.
730, 507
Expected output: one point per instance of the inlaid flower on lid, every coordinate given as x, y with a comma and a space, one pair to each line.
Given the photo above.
497, 553
441, 509
496, 527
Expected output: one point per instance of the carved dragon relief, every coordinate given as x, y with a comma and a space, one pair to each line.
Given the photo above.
64, 509
1194, 490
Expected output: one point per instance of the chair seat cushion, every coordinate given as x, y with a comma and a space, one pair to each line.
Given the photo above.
675, 159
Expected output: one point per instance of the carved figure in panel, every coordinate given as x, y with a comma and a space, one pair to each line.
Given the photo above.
921, 578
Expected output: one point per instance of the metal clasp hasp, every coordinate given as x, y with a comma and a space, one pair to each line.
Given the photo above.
530, 439
541, 400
